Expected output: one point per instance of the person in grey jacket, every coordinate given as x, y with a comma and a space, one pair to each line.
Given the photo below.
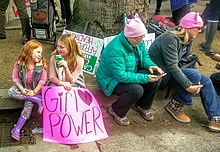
167, 51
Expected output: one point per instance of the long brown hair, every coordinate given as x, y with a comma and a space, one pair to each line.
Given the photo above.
26, 54
70, 43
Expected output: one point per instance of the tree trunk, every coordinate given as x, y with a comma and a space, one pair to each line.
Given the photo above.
101, 18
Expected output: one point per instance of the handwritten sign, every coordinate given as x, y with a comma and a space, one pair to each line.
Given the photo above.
88, 44
71, 117
91, 47
148, 39
90, 63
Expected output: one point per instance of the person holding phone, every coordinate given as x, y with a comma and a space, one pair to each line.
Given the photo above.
167, 51
126, 70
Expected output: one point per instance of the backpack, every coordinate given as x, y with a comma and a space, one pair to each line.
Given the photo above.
43, 19
158, 24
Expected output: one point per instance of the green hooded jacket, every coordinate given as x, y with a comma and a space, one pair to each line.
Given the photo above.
118, 63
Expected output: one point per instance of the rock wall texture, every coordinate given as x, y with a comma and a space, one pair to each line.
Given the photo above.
105, 17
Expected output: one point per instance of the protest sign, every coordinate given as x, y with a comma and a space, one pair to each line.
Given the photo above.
148, 39
71, 117
91, 47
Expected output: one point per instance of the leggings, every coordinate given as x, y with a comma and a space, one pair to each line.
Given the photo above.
14, 92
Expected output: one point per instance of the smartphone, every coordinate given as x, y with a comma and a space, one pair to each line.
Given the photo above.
161, 75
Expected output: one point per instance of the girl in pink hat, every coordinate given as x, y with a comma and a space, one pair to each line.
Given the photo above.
169, 51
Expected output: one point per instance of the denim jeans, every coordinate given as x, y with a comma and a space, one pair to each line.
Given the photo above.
209, 97
130, 93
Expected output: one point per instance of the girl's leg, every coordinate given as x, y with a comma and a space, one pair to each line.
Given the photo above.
14, 92
25, 115
38, 100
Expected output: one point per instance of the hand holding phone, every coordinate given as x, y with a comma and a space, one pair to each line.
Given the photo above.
163, 74
154, 78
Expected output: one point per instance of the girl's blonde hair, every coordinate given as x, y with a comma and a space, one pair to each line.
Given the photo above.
182, 33
27, 51
70, 43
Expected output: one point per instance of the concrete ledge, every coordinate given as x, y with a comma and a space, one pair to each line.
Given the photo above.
9, 103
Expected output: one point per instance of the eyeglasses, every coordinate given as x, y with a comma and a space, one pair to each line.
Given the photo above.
139, 38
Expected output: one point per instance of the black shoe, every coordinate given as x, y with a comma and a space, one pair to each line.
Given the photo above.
2, 36
25, 39
157, 12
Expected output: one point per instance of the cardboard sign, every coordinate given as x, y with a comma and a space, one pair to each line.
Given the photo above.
148, 39
91, 62
91, 47
71, 117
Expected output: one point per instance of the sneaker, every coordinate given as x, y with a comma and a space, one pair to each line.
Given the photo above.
146, 114
121, 121
213, 56
176, 110
214, 124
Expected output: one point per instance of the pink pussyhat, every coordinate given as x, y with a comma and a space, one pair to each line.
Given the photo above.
134, 27
191, 20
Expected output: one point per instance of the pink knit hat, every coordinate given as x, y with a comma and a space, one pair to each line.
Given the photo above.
191, 20
134, 27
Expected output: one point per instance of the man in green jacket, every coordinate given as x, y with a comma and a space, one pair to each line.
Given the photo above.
126, 70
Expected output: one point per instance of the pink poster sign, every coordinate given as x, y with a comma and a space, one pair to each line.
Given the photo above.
71, 117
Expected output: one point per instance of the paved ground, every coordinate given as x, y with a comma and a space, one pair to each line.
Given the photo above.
161, 135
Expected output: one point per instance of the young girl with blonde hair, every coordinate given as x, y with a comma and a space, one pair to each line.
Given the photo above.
29, 75
69, 71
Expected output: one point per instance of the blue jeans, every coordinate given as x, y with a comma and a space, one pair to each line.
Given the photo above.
209, 97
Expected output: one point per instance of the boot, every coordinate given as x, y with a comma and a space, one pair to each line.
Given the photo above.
176, 110
15, 133
214, 124
36, 99
210, 34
